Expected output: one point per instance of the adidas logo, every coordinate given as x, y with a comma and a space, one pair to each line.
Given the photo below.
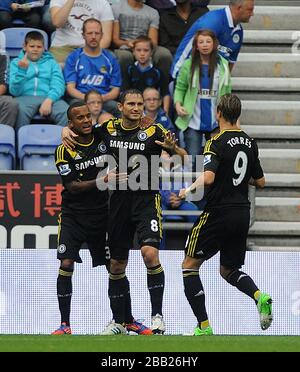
116, 330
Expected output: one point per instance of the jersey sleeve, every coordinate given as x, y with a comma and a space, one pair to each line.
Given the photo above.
65, 165
211, 156
257, 171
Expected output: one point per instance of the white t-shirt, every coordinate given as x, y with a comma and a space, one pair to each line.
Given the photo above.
70, 33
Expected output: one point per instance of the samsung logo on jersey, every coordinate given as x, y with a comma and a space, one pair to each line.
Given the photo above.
239, 141
91, 162
127, 145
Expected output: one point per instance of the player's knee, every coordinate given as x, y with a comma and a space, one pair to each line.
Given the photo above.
150, 256
117, 266
67, 264
227, 273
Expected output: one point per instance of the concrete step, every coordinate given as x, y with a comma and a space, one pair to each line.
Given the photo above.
272, 17
254, 84
262, 2
277, 209
268, 96
280, 185
272, 65
271, 37
283, 180
275, 228
280, 160
271, 41
271, 132
283, 113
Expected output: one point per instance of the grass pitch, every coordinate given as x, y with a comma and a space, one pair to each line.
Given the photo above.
74, 343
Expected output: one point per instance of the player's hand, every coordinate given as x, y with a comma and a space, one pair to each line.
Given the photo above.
114, 178
169, 143
68, 138
146, 122
46, 107
24, 62
182, 194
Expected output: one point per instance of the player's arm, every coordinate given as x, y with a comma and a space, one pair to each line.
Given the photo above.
111, 178
259, 183
211, 163
69, 176
68, 137
206, 178
257, 174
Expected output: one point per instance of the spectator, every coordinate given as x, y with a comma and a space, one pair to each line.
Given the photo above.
203, 78
142, 74
68, 16
169, 193
47, 24
94, 102
12, 9
153, 109
133, 19
37, 82
166, 4
8, 106
175, 22
92, 67
225, 23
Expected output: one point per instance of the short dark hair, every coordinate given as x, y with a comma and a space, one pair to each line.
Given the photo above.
92, 91
230, 107
143, 39
88, 21
73, 105
129, 91
34, 35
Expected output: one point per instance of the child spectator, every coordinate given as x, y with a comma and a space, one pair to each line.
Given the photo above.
169, 193
142, 74
153, 109
203, 78
37, 82
94, 102
132, 19
14, 9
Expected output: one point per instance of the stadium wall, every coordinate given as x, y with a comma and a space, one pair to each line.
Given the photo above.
28, 303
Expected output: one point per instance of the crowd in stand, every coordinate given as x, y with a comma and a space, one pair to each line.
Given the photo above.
106, 47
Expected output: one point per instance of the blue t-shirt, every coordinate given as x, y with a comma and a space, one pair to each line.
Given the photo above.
100, 73
220, 22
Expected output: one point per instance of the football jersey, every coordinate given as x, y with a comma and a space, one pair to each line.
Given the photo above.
100, 73
82, 164
233, 156
126, 145
221, 23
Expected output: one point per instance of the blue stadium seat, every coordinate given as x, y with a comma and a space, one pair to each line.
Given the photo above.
36, 146
7, 147
15, 39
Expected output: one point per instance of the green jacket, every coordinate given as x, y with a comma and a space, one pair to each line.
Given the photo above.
187, 94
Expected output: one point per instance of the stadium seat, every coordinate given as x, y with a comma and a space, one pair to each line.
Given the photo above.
15, 39
2, 43
36, 146
7, 147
